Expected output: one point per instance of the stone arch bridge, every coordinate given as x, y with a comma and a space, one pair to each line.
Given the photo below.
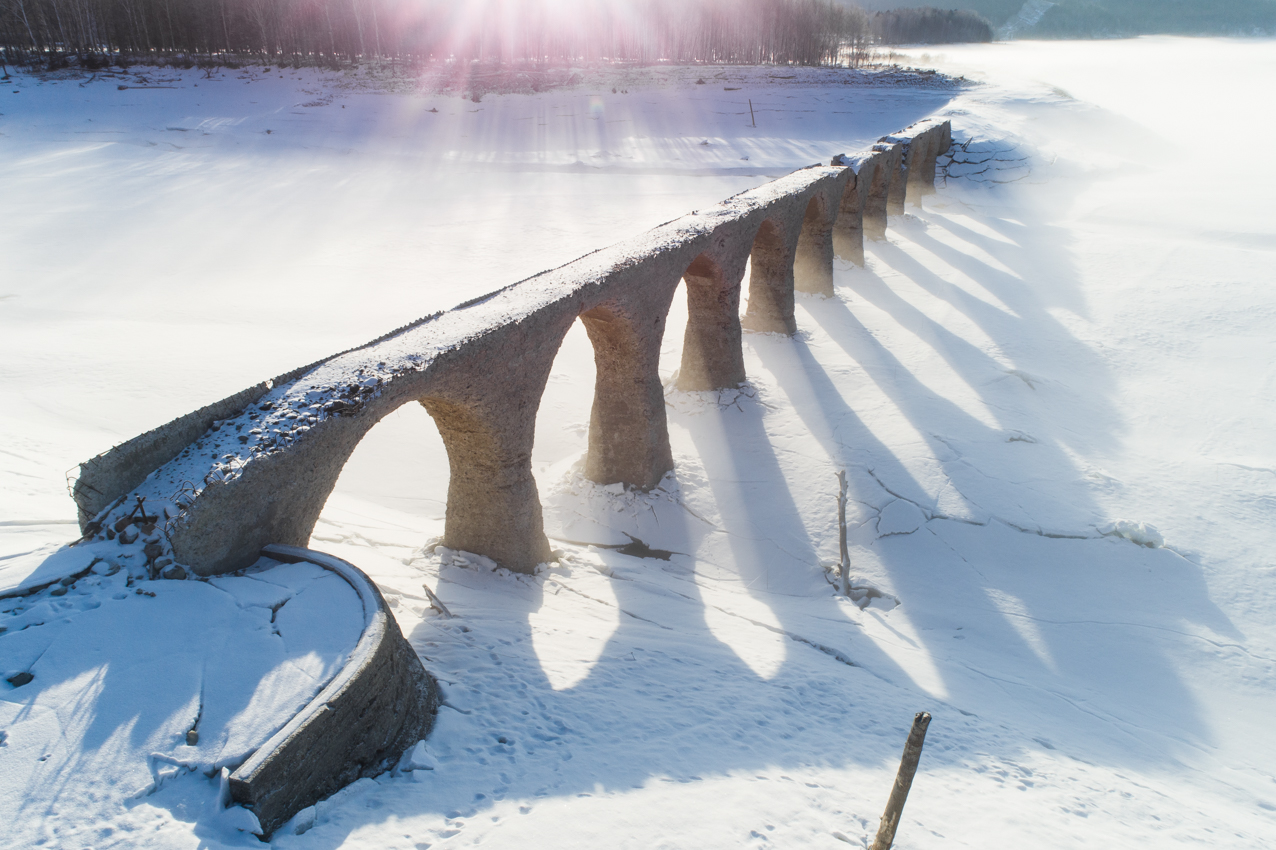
256, 468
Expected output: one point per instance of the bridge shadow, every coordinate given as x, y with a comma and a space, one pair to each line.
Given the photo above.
665, 699
1037, 395
1001, 616
1064, 634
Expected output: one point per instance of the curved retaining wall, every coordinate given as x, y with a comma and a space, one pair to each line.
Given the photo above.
379, 704
277, 449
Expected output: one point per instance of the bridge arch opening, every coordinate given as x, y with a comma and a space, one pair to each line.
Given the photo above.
770, 304
397, 475
562, 421
477, 419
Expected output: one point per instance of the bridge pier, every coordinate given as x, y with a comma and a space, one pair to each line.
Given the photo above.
897, 191
848, 225
770, 307
925, 150
917, 159
876, 206
493, 507
712, 357
628, 432
485, 408
813, 261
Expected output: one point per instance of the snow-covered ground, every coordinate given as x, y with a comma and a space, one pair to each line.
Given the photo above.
145, 690
1067, 354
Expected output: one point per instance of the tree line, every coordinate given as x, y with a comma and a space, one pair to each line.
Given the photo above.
930, 26
806, 32
1123, 18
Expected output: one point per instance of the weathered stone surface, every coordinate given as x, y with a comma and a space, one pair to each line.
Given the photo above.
917, 155
848, 225
897, 191
922, 143
770, 307
813, 262
379, 704
628, 435
712, 357
878, 204
112, 474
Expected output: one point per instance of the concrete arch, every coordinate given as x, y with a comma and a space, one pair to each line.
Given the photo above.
813, 261
919, 167
628, 432
483, 399
712, 356
484, 403
877, 204
257, 468
770, 307
848, 225
897, 190
914, 176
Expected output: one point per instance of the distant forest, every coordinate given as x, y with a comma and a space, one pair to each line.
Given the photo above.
929, 26
805, 32
1115, 18
1112, 18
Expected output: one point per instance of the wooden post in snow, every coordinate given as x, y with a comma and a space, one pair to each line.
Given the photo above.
903, 781
844, 566
437, 604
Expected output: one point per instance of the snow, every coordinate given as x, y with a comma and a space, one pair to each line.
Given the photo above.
1064, 357
1136, 532
23, 572
124, 668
